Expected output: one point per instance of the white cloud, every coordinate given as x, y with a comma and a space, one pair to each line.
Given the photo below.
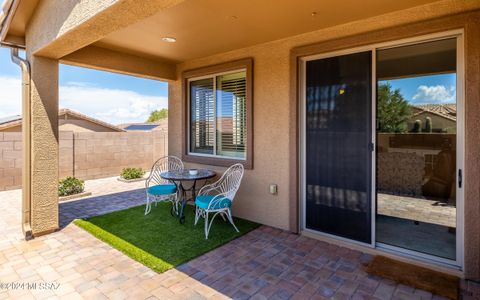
80, 83
434, 94
10, 96
111, 105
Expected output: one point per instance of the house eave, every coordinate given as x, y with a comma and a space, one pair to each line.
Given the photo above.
9, 8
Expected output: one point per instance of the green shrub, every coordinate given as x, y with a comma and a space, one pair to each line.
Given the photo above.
132, 173
70, 186
428, 125
417, 126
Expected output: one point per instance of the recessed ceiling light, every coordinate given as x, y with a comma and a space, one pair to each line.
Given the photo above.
169, 39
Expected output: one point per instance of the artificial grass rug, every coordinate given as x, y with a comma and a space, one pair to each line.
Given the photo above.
158, 240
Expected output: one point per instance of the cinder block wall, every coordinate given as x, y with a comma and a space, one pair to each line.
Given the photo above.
103, 154
86, 155
10, 160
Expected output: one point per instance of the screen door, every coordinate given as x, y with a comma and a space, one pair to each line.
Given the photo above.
338, 145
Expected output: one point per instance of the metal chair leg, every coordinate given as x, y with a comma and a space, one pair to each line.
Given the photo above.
206, 225
148, 206
197, 215
229, 214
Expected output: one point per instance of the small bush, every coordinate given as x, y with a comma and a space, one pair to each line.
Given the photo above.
70, 186
428, 125
417, 126
132, 173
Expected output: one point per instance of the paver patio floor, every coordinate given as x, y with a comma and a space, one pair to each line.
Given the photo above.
417, 209
266, 263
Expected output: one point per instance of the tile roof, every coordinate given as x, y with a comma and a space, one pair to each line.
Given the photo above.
448, 110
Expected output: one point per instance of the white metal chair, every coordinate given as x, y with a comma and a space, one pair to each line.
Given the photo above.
218, 197
159, 189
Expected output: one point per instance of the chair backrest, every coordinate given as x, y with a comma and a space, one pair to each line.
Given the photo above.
166, 163
230, 181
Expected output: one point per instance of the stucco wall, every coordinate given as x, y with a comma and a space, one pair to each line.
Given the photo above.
438, 122
271, 126
86, 155
273, 118
275, 122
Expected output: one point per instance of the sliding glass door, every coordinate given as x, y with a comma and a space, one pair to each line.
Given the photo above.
417, 147
338, 137
382, 147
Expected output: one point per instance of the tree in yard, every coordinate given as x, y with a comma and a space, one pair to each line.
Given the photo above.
393, 111
158, 115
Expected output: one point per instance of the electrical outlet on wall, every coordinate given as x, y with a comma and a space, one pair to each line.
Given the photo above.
273, 189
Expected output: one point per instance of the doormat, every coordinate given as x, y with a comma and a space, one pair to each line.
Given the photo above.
435, 282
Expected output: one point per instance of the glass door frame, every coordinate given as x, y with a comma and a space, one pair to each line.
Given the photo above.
460, 96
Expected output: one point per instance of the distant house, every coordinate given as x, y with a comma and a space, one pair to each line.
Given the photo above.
161, 125
68, 120
443, 116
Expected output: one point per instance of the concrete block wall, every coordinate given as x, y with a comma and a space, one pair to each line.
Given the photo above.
86, 155
10, 160
65, 149
103, 154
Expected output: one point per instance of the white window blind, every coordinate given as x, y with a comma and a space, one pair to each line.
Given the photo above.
202, 116
219, 124
231, 115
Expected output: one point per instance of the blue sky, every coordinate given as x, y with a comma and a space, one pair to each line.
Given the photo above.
434, 89
107, 96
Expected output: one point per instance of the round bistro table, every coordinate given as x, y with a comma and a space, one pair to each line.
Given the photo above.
179, 177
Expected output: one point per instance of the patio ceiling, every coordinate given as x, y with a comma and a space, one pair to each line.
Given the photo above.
125, 36
206, 27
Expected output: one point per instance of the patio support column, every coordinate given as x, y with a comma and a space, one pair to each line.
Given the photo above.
43, 125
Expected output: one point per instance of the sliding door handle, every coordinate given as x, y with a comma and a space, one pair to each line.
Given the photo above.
460, 178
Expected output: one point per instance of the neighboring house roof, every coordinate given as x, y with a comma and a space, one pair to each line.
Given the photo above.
13, 121
156, 126
448, 111
146, 127
443, 109
9, 119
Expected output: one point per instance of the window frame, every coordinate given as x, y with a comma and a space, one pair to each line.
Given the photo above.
213, 71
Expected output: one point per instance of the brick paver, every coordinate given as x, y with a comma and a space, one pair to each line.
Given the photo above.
417, 209
266, 263
99, 205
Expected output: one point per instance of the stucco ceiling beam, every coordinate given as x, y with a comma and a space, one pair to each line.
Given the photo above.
107, 60
58, 30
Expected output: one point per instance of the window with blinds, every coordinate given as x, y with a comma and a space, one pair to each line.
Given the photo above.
202, 116
218, 115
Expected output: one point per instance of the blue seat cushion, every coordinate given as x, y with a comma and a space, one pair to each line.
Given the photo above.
204, 201
162, 189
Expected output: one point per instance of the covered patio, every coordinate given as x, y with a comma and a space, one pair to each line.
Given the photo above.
237, 77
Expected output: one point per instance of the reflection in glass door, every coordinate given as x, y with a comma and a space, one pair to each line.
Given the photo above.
417, 147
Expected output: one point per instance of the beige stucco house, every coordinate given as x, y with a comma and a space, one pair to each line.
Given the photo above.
443, 117
68, 120
260, 65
